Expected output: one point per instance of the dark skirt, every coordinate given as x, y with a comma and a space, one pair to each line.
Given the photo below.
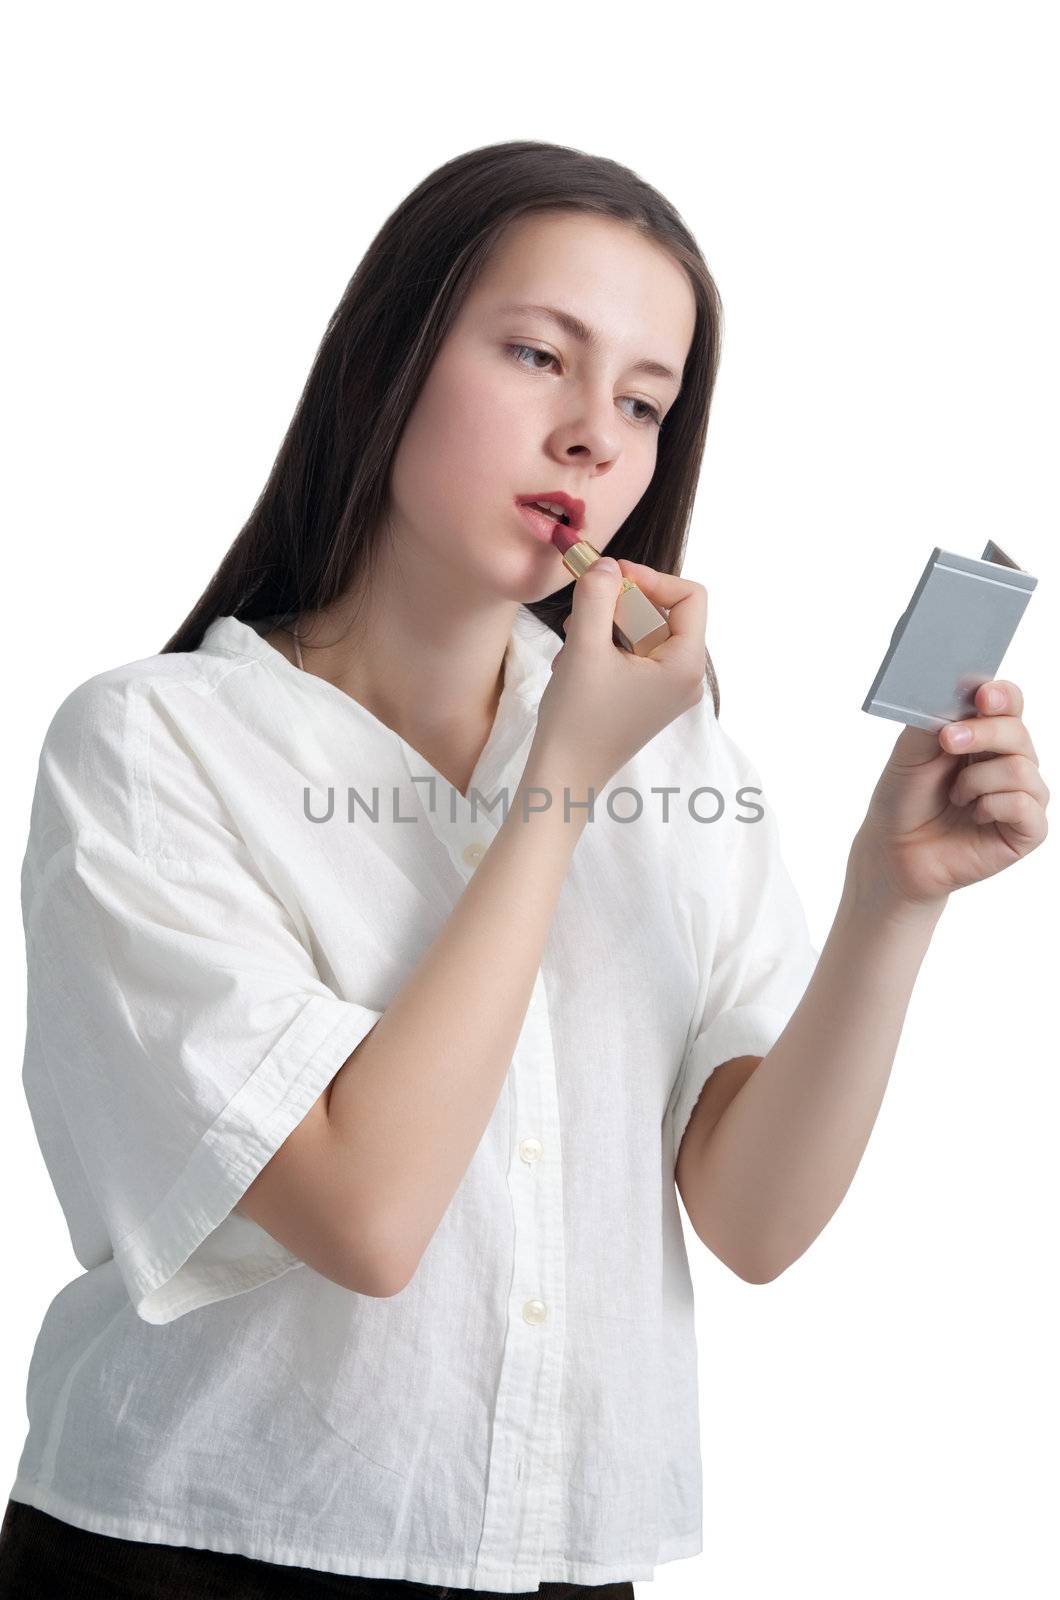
43, 1558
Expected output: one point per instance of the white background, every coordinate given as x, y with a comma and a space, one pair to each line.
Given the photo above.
188, 190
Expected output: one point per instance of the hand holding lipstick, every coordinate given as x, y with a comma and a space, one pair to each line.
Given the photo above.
637, 625
603, 703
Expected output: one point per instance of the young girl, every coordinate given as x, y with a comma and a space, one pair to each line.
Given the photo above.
396, 942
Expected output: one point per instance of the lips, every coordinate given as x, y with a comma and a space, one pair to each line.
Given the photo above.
574, 509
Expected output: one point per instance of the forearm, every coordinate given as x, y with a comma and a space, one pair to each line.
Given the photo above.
784, 1151
413, 1101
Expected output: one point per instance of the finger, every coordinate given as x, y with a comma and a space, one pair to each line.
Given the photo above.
592, 611
682, 600
913, 748
664, 588
997, 775
1011, 698
1019, 811
1005, 735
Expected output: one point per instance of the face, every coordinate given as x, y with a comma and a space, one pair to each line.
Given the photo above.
515, 405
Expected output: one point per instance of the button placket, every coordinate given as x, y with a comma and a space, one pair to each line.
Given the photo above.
528, 1392
473, 853
466, 832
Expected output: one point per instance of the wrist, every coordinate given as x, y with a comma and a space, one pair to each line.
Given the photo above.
546, 791
869, 890
553, 771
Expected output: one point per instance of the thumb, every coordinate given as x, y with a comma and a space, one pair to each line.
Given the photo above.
915, 747
593, 604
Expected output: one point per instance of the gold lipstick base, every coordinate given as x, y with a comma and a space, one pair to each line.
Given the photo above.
638, 625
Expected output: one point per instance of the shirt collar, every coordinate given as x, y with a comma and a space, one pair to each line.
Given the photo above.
527, 658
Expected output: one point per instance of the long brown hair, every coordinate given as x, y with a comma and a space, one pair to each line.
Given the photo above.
317, 522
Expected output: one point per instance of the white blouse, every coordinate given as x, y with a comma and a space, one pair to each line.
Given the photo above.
207, 942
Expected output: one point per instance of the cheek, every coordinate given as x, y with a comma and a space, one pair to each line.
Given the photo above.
463, 438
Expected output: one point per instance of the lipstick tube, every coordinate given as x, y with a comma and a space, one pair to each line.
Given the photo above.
638, 625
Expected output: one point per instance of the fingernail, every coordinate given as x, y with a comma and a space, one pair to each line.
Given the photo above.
607, 564
995, 699
960, 736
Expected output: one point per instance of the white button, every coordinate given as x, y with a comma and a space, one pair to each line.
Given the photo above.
535, 1311
474, 852
530, 1149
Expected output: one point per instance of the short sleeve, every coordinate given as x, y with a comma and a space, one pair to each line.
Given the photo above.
178, 1029
755, 953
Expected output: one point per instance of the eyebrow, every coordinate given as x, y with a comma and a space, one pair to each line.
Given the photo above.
577, 329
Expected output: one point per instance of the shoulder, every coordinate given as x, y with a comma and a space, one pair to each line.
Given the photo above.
688, 746
106, 710
105, 735
707, 746
98, 705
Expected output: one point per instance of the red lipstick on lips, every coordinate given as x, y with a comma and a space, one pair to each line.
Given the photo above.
573, 510
541, 521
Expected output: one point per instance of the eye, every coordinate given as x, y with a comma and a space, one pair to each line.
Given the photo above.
654, 417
